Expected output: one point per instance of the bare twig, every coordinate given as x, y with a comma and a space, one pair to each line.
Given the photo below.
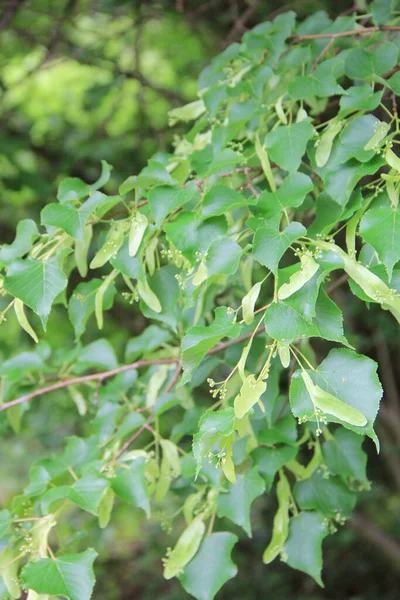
174, 378
391, 393
389, 453
241, 338
9, 13
128, 443
106, 374
322, 53
341, 34
83, 379
240, 25
370, 532
337, 284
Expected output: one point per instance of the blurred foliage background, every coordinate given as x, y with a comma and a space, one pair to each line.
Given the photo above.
84, 80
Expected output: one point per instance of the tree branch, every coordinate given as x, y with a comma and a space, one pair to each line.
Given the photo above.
83, 379
10, 13
106, 374
361, 31
376, 536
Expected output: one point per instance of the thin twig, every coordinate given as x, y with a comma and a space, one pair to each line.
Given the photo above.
370, 532
322, 53
83, 379
341, 34
9, 14
337, 284
174, 378
106, 374
241, 338
128, 443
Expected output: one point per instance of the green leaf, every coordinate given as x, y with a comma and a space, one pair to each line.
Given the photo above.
97, 354
270, 243
235, 504
327, 496
212, 566
188, 112
86, 492
368, 64
26, 233
70, 575
249, 395
269, 460
340, 182
221, 199
82, 303
164, 199
344, 456
104, 176
394, 82
287, 144
148, 296
72, 189
131, 423
165, 286
380, 228
71, 219
321, 82
290, 194
155, 174
36, 283
223, 257
185, 548
348, 376
131, 486
5, 522
206, 161
152, 337
130, 266
25, 361
283, 431
9, 572
353, 139
199, 340
383, 11
285, 324
211, 427
302, 550
359, 97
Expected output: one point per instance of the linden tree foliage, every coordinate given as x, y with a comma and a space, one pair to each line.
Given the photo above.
288, 174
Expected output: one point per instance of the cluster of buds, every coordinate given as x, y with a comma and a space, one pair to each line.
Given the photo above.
221, 391
236, 146
220, 456
174, 256
131, 297
166, 525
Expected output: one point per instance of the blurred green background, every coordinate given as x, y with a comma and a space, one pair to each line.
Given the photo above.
84, 80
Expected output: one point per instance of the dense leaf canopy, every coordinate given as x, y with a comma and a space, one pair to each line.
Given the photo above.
243, 378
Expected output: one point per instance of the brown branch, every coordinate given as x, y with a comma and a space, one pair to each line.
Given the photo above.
106, 374
240, 25
241, 338
129, 442
363, 31
83, 379
389, 453
322, 53
10, 13
337, 284
370, 532
174, 378
198, 183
